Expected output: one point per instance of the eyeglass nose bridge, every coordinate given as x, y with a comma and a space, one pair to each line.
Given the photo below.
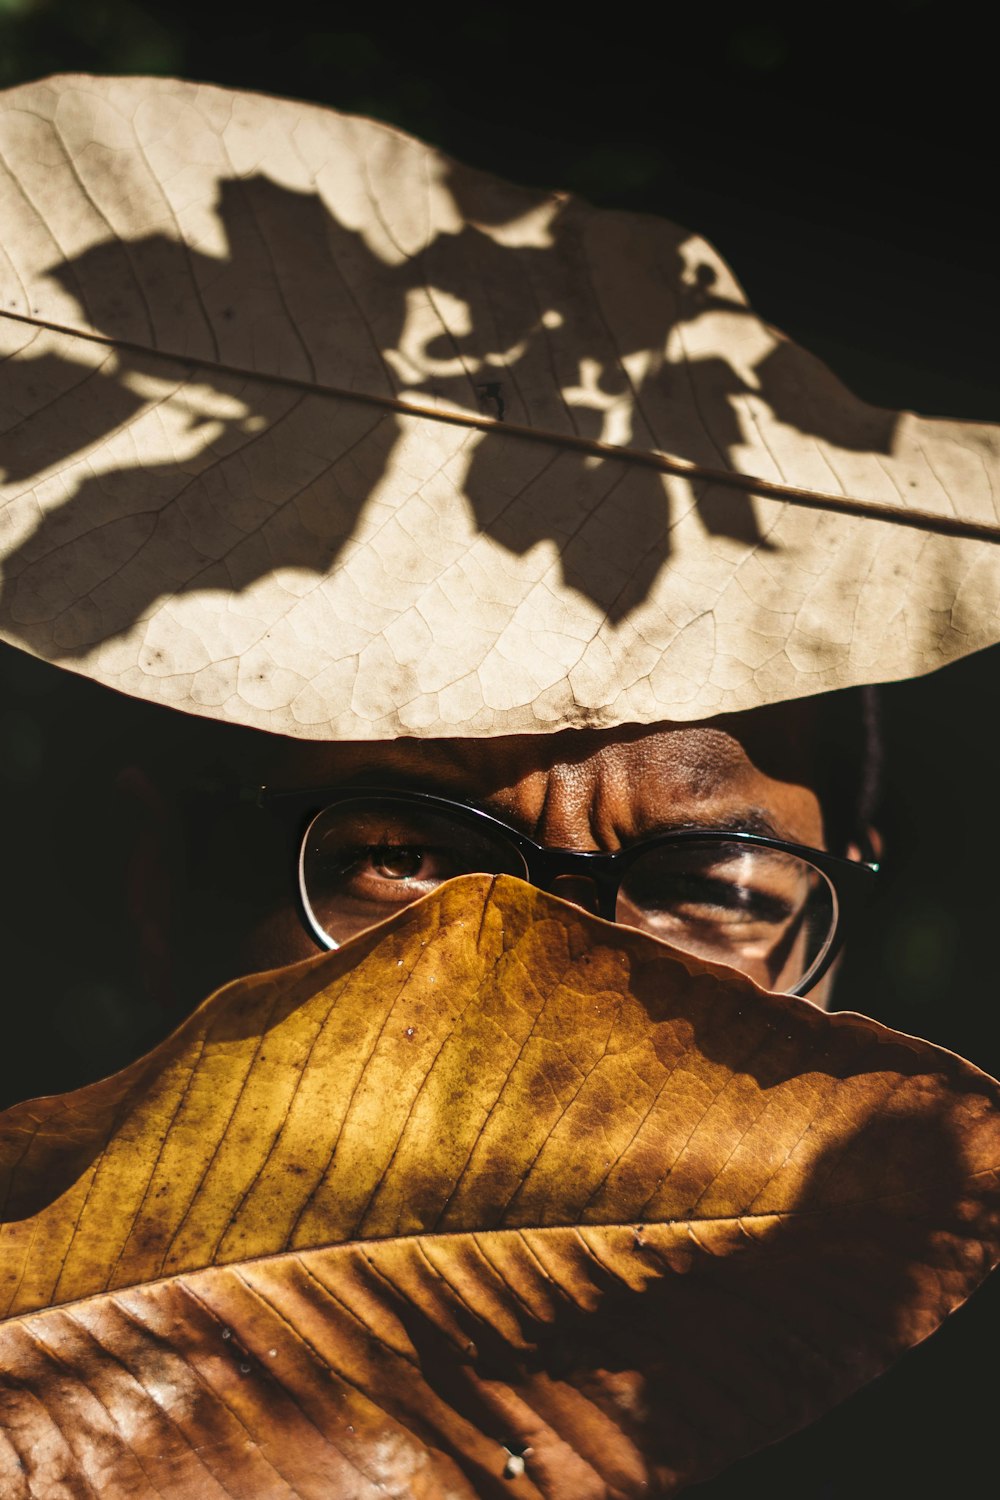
547, 868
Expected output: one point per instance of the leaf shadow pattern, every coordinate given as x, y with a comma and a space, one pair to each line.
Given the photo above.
542, 313
276, 474
257, 496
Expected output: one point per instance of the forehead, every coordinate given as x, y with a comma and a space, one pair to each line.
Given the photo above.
761, 765
781, 742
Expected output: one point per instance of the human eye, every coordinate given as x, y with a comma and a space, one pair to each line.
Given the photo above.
722, 898
366, 858
763, 911
385, 860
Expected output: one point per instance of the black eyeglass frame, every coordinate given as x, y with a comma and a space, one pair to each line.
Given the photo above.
850, 880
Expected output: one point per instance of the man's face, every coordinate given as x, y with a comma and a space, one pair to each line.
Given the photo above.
576, 790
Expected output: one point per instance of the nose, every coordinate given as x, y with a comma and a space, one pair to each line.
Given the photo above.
579, 889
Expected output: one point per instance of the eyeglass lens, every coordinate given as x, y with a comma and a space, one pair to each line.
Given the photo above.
762, 911
769, 914
363, 860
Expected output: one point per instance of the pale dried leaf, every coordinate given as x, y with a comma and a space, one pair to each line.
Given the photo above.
307, 427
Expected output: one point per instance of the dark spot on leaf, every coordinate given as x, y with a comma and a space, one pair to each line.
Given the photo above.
491, 400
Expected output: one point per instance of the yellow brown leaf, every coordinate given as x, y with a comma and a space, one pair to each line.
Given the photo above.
496, 1186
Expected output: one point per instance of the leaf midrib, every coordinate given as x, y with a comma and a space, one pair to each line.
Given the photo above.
845, 504
638, 1226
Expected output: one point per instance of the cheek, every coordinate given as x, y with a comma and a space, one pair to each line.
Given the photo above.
223, 942
821, 995
277, 938
239, 914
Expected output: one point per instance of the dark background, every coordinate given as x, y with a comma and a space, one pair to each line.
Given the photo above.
843, 159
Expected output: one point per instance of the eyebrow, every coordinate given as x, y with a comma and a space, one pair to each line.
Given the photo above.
746, 820
749, 820
374, 778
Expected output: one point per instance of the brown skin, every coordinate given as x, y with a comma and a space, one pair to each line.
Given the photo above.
575, 790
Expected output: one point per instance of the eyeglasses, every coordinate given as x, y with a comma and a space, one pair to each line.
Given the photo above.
773, 910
